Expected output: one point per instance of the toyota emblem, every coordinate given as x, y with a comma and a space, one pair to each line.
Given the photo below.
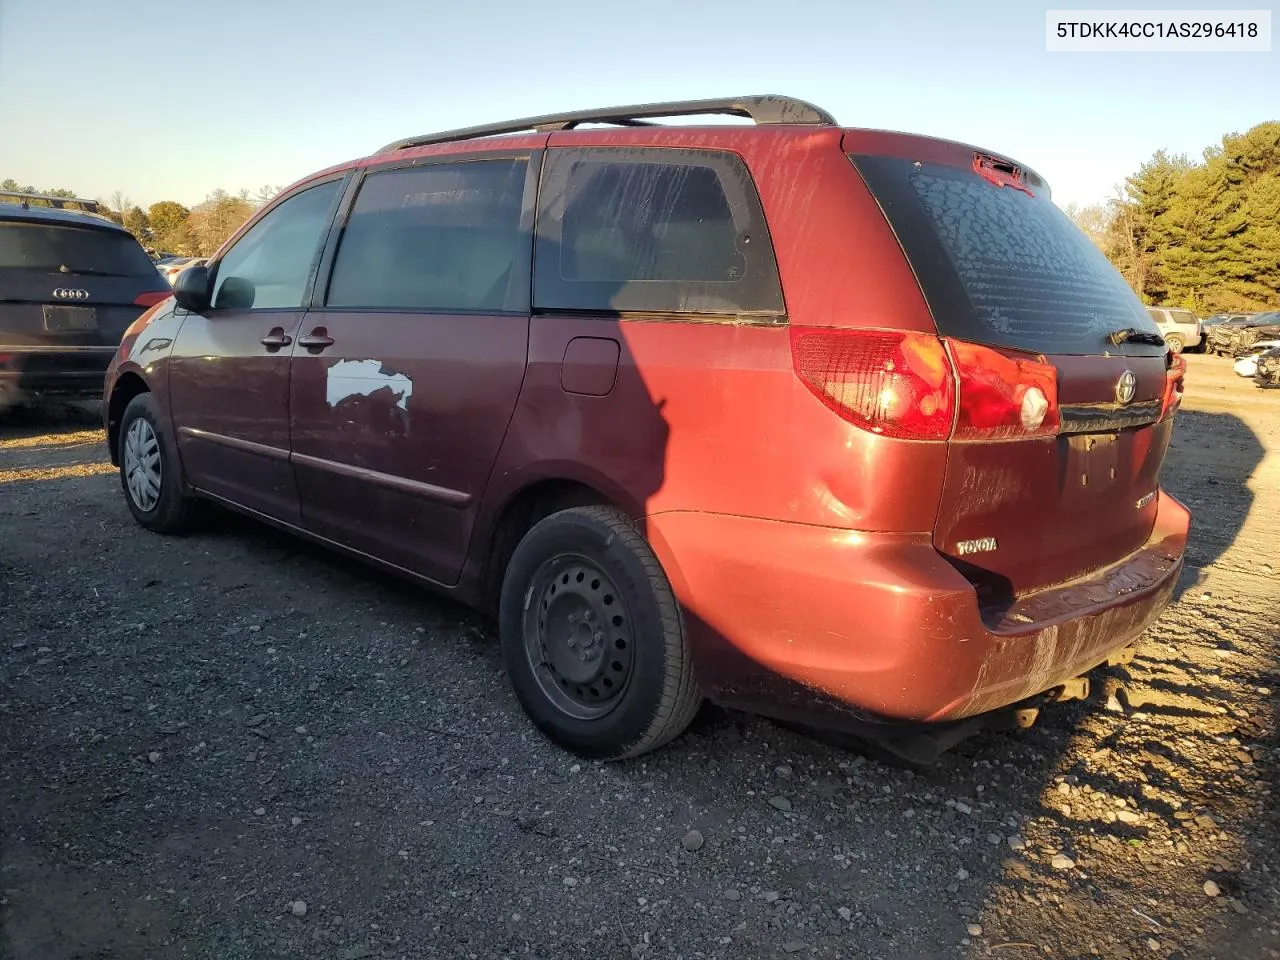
1126, 387
71, 293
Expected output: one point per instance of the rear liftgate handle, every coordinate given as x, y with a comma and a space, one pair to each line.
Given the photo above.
316, 340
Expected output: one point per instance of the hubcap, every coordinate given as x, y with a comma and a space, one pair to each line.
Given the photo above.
142, 465
578, 637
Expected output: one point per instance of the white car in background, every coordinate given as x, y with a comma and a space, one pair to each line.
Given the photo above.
1247, 365
1180, 327
169, 269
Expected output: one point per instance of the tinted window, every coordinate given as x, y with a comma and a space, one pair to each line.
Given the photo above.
665, 231
1156, 315
269, 266
1000, 266
1182, 316
84, 250
443, 236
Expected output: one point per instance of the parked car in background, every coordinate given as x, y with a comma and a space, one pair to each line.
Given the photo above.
686, 431
1267, 371
1247, 365
170, 269
71, 282
1234, 338
1179, 327
1218, 318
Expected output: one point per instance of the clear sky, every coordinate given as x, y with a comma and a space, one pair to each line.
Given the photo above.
169, 100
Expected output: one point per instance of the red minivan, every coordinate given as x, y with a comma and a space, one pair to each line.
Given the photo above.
835, 425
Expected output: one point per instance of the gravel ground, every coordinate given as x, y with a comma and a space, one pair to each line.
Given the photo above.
237, 746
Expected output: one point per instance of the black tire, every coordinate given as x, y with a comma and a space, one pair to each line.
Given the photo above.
658, 694
1174, 343
173, 511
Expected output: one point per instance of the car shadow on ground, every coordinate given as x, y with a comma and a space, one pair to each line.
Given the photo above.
1214, 475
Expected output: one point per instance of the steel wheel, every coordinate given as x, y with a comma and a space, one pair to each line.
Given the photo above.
577, 636
143, 475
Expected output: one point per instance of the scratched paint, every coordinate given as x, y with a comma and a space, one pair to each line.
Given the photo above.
363, 378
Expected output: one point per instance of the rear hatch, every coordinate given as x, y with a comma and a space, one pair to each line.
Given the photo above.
71, 285
1002, 267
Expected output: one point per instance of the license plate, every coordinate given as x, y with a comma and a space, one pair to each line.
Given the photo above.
1096, 458
70, 319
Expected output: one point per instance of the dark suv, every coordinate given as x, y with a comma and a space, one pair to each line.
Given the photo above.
71, 281
826, 423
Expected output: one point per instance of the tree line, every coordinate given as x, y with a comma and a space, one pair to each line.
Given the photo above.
169, 227
1203, 234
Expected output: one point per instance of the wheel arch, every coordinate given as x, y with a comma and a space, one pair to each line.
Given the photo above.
127, 386
523, 507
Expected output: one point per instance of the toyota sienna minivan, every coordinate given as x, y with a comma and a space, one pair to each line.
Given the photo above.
836, 425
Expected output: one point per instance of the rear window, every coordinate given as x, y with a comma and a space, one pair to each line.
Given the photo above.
999, 266
50, 248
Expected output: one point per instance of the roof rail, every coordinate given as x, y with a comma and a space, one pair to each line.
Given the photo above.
768, 109
58, 203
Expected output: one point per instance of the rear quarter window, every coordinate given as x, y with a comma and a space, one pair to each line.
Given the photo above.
1000, 266
653, 231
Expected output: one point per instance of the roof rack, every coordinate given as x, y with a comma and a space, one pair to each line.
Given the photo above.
768, 109
58, 203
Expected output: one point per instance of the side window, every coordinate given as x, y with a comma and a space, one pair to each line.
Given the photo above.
1156, 315
269, 265
440, 236
655, 231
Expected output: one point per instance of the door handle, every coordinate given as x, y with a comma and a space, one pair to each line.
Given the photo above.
317, 339
276, 339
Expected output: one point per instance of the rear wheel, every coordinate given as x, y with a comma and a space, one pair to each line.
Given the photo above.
592, 636
1174, 343
150, 472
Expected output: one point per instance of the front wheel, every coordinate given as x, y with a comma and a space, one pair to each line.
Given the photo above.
150, 472
592, 636
1174, 343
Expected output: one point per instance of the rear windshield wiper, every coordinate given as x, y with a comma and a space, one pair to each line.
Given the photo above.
1134, 335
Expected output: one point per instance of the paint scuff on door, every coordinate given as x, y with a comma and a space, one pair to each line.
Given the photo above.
364, 378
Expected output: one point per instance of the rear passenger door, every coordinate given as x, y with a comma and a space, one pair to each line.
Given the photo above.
657, 326
407, 369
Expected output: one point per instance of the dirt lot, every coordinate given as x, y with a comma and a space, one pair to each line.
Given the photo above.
196, 734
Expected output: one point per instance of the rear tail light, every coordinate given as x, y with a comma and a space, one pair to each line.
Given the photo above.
1174, 380
906, 386
895, 384
1003, 395
151, 299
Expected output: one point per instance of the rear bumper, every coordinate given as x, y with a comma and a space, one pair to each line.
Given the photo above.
27, 371
818, 624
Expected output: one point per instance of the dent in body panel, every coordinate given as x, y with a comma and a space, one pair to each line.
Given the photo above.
364, 378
